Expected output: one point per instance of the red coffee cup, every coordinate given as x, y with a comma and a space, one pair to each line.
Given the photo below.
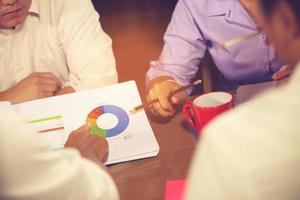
205, 107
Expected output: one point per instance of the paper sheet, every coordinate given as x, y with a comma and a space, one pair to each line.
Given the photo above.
5, 106
106, 109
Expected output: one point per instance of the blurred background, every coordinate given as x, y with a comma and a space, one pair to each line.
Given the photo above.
136, 28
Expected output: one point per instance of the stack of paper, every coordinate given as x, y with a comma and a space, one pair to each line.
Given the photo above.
106, 110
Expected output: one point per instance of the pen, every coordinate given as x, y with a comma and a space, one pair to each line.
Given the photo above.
156, 100
238, 40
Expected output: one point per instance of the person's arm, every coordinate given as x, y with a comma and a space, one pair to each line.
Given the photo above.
35, 86
87, 47
215, 172
229, 160
184, 47
30, 170
179, 60
245, 155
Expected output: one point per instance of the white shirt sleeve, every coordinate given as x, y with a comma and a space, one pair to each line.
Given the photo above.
88, 49
214, 173
29, 170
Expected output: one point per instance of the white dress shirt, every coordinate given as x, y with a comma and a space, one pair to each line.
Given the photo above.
59, 36
253, 151
29, 170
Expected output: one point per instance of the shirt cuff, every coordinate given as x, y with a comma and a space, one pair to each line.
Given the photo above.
157, 69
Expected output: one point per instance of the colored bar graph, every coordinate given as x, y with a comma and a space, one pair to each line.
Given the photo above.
51, 128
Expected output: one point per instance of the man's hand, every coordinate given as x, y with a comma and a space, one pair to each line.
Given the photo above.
35, 86
89, 145
282, 75
66, 90
161, 89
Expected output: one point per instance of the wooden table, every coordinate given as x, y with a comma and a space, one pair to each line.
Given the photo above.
145, 179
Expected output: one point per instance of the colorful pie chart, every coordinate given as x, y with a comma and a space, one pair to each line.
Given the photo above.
119, 113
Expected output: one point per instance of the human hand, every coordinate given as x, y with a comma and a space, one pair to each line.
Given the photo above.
89, 145
35, 86
161, 89
283, 72
282, 75
66, 90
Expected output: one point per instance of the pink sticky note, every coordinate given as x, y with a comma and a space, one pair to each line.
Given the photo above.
174, 189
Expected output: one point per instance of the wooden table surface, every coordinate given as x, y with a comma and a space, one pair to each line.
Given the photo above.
145, 179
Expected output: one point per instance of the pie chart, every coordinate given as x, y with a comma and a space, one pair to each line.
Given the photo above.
120, 114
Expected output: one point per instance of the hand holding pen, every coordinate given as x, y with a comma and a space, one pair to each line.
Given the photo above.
162, 97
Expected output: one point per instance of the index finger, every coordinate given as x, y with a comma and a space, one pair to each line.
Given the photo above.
84, 128
179, 98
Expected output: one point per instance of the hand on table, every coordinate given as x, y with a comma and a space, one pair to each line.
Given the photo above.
89, 145
35, 86
66, 90
161, 89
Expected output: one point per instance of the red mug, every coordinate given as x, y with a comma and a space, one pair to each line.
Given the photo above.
205, 107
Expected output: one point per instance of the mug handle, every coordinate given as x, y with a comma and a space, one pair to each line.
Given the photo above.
190, 118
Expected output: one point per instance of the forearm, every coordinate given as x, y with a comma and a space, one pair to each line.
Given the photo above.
159, 72
3, 96
46, 174
90, 179
183, 49
11, 97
